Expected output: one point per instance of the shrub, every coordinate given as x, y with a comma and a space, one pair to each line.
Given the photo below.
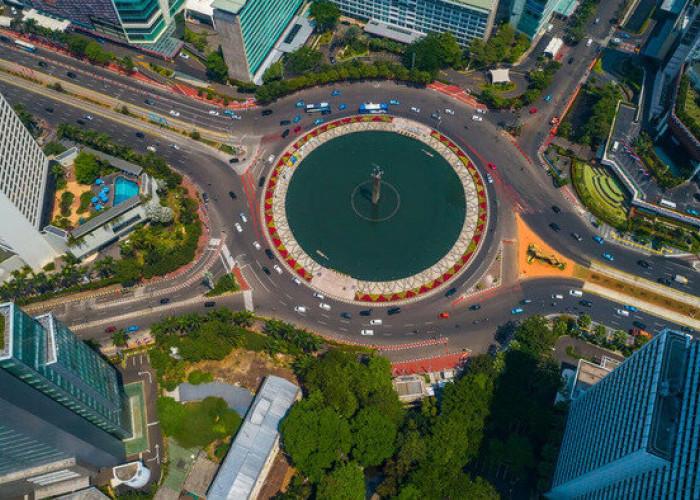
197, 377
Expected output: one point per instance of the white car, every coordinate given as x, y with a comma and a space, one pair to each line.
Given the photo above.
214, 112
271, 158
152, 149
235, 117
88, 117
324, 306
238, 227
184, 55
174, 113
589, 42
300, 309
415, 110
375, 322
489, 178
257, 245
367, 332
622, 312
243, 217
481, 111
277, 268
318, 296
477, 118
557, 296
296, 281
449, 111
175, 147
576, 293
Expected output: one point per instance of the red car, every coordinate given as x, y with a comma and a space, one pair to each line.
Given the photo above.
491, 165
110, 329
533, 111
297, 129
444, 315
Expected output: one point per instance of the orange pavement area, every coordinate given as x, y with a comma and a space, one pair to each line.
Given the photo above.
537, 269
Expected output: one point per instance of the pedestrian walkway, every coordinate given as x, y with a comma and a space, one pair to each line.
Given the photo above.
427, 365
456, 93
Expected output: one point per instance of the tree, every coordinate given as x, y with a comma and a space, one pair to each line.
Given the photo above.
302, 60
120, 338
325, 13
584, 321
27, 119
127, 64
217, 69
346, 482
432, 52
351, 34
600, 333
86, 167
243, 318
373, 435
54, 148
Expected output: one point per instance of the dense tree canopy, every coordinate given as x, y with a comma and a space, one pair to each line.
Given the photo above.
302, 60
504, 46
375, 436
433, 52
87, 168
325, 13
346, 482
217, 69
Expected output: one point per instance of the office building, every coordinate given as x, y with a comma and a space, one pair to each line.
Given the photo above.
531, 16
24, 172
146, 24
465, 19
63, 411
635, 434
249, 31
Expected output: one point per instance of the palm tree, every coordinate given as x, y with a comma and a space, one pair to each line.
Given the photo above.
105, 267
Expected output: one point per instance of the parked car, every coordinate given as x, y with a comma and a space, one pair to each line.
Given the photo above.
213, 112
297, 129
449, 111
71, 75
152, 149
296, 281
533, 111
630, 308
300, 104
234, 160
243, 217
277, 268
477, 118
300, 309
266, 271
269, 254
643, 263
436, 116
526, 301
210, 304
49, 109
297, 118
576, 293
319, 296
415, 109
489, 179
622, 312
324, 306
149, 102
42, 64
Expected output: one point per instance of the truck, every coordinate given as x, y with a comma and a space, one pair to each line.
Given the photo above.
680, 279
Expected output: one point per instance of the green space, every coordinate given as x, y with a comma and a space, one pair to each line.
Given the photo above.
2, 332
197, 424
503, 46
227, 283
539, 79
688, 106
179, 463
139, 441
601, 193
589, 120
419, 216
576, 30
644, 147
498, 88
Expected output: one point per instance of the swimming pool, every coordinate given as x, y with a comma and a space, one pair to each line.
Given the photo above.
124, 189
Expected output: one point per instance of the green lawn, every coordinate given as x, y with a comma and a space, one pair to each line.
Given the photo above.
600, 191
691, 104
139, 441
180, 460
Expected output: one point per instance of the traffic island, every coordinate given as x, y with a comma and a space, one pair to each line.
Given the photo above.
536, 259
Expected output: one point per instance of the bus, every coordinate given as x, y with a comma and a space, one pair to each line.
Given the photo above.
321, 107
373, 109
667, 203
26, 46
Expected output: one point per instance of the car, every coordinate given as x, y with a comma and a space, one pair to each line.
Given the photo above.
297, 129
110, 329
149, 102
664, 281
598, 240
517, 310
597, 20
533, 111
269, 254
229, 112
571, 60
342, 107
49, 109
576, 293
625, 35
164, 300
140, 135
555, 227
336, 92
366, 332
444, 315
175, 147
266, 271
257, 245
557, 296
80, 122
549, 96
318, 121
640, 325
477, 118
449, 111
366, 312
132, 328
297, 118
691, 211
277, 268
576, 236
213, 112
300, 309
481, 111
375, 321
394, 102
622, 312
284, 122
184, 55
393, 310
475, 307
318, 296
492, 166
589, 42
285, 133
88, 117
152, 149
324, 306
174, 113
415, 109
243, 217
238, 227
42, 64
266, 112
296, 281
556, 209
234, 160
300, 104
643, 263
608, 257
630, 308
436, 116
526, 301
71, 75
235, 117
346, 315
205, 197
586, 303
450, 292
489, 178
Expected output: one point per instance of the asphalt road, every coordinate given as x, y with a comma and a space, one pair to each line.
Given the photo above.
519, 187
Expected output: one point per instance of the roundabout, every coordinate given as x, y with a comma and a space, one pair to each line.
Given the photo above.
375, 209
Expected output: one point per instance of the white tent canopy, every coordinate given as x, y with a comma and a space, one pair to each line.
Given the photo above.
500, 75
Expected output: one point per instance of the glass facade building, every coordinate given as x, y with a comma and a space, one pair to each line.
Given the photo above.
465, 19
531, 16
635, 434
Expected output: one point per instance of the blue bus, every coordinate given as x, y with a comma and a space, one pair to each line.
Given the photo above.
373, 109
321, 107
26, 46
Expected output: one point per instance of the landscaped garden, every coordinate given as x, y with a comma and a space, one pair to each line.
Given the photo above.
601, 193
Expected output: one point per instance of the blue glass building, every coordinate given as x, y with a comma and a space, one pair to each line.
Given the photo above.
531, 16
63, 411
635, 434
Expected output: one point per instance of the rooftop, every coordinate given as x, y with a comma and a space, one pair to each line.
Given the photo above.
255, 441
231, 6
46, 21
201, 6
476, 4
387, 30
117, 163
105, 217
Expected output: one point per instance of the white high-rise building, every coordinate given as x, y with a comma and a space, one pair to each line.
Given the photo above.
24, 171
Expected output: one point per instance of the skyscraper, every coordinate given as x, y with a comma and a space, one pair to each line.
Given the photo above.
24, 171
635, 434
530, 16
147, 24
63, 412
